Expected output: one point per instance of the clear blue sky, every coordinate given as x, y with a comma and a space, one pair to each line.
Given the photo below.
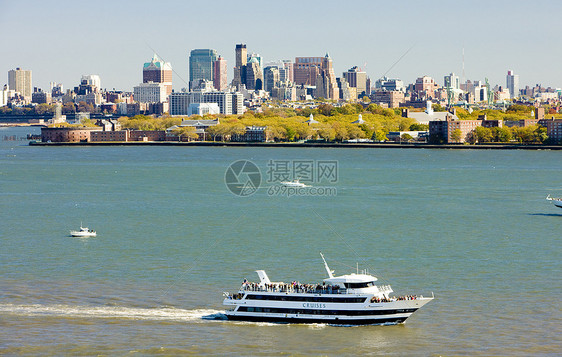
61, 40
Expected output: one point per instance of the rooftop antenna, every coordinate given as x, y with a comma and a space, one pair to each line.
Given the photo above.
330, 272
463, 75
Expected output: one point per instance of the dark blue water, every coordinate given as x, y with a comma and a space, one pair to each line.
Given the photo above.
471, 226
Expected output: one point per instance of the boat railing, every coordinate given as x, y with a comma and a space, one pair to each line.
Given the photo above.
293, 288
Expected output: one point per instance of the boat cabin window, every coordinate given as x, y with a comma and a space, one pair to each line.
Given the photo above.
359, 285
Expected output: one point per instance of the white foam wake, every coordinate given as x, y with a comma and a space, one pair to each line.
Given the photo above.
166, 313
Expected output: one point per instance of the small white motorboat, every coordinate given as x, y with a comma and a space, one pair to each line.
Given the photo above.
294, 183
556, 200
83, 232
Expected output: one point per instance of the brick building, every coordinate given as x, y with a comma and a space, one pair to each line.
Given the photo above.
253, 133
553, 129
67, 134
392, 98
120, 135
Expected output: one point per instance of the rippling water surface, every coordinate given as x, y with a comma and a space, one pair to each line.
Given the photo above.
471, 226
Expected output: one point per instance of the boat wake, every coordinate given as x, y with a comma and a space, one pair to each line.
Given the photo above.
112, 312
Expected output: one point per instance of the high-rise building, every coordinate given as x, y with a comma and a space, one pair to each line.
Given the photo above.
318, 71
453, 80
240, 69
306, 69
158, 71
257, 57
512, 84
357, 79
326, 84
20, 81
254, 75
271, 78
347, 93
390, 84
201, 63
91, 80
219, 76
150, 93
286, 74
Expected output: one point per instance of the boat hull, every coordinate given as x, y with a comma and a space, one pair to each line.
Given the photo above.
80, 234
307, 320
311, 309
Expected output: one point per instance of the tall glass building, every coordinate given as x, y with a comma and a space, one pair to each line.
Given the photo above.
201, 66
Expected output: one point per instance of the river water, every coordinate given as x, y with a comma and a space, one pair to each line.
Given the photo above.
471, 226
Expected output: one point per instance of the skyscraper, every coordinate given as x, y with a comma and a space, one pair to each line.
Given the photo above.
512, 84
20, 81
201, 63
254, 75
241, 55
306, 69
158, 71
356, 79
270, 77
219, 76
453, 80
326, 84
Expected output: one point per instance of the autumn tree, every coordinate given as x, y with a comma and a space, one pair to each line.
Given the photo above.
188, 132
456, 135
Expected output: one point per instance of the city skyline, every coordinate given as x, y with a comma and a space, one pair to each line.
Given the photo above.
56, 45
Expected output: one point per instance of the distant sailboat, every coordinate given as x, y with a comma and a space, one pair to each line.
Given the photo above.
83, 232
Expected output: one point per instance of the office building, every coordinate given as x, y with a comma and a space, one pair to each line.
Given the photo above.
512, 84
258, 58
357, 79
40, 97
150, 93
392, 98
158, 71
241, 57
326, 84
4, 96
347, 93
20, 81
91, 80
254, 75
219, 74
271, 78
453, 81
228, 102
201, 62
306, 69
390, 84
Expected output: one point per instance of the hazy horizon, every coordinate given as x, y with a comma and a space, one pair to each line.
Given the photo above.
62, 41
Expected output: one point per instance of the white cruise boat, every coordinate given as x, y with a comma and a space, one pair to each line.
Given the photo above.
353, 299
556, 200
294, 183
83, 232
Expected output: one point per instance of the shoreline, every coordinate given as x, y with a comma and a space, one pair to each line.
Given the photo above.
310, 145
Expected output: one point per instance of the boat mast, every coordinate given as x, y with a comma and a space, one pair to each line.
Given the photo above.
330, 272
